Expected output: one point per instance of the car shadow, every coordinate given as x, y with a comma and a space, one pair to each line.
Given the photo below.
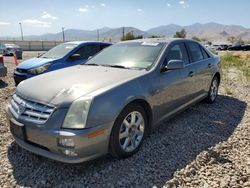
170, 147
3, 84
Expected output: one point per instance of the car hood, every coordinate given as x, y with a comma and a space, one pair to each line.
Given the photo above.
33, 63
62, 87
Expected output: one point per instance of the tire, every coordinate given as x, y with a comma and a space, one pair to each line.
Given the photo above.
213, 91
128, 133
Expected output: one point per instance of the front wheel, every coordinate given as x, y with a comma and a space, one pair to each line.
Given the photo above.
128, 132
213, 91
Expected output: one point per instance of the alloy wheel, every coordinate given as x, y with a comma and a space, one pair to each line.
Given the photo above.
131, 131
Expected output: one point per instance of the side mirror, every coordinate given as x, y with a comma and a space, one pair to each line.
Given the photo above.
75, 57
174, 64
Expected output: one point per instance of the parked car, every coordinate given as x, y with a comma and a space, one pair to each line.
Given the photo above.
112, 102
236, 48
246, 47
11, 49
62, 56
3, 69
219, 47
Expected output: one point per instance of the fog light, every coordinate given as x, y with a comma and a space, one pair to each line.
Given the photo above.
67, 142
69, 153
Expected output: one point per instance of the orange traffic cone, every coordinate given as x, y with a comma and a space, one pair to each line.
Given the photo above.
1, 59
15, 59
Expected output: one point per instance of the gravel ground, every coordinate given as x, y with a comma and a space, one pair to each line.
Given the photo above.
205, 146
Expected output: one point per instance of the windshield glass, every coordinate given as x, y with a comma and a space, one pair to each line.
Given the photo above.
59, 51
11, 46
128, 55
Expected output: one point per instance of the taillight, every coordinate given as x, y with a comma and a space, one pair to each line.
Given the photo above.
1, 59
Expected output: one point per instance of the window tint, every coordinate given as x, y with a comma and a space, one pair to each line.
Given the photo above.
103, 46
87, 51
205, 54
177, 52
195, 51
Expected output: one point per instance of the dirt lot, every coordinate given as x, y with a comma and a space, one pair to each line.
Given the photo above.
206, 146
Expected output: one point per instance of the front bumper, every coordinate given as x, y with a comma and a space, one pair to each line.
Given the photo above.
3, 71
19, 78
45, 142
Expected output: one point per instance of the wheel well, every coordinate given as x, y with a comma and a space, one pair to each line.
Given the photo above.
218, 76
144, 104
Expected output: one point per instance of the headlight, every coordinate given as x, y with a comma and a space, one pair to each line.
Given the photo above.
77, 114
39, 70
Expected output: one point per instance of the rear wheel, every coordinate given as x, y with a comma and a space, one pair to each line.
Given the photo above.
128, 132
213, 92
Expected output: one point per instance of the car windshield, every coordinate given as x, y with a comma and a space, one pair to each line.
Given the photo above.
128, 55
11, 46
59, 51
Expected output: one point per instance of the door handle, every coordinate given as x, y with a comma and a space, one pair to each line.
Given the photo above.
209, 65
191, 74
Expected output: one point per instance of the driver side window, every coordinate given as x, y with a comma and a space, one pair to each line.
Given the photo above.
177, 52
88, 50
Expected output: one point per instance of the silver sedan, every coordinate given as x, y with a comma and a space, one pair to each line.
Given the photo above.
111, 104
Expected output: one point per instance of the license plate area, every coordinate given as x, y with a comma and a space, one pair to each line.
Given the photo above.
18, 130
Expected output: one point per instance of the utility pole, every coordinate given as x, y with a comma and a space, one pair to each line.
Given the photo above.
98, 36
63, 34
123, 33
21, 29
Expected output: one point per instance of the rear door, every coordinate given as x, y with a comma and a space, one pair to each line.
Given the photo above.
201, 65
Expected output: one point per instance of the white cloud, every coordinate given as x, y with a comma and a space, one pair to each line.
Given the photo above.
169, 5
103, 4
83, 9
4, 23
36, 23
184, 4
46, 15
139, 10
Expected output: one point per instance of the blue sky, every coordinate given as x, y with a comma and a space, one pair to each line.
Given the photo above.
49, 16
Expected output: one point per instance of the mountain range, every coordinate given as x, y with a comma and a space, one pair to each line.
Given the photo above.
209, 31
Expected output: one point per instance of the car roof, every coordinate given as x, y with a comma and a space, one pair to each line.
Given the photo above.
161, 40
85, 42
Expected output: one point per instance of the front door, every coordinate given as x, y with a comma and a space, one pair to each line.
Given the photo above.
175, 88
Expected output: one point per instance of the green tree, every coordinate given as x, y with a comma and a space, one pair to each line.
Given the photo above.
196, 38
154, 36
232, 39
209, 43
131, 36
180, 34
240, 41
139, 37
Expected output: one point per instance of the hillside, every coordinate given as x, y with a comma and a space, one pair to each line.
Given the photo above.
209, 31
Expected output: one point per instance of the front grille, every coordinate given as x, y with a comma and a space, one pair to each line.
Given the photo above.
30, 111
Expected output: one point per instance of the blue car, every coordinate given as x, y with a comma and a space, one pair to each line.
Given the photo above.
62, 56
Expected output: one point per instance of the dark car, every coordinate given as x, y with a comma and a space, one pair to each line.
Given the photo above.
246, 47
3, 69
235, 48
11, 49
62, 56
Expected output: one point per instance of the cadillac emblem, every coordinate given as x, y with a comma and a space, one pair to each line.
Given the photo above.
22, 107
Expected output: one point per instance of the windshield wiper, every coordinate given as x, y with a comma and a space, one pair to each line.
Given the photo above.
117, 66
93, 64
